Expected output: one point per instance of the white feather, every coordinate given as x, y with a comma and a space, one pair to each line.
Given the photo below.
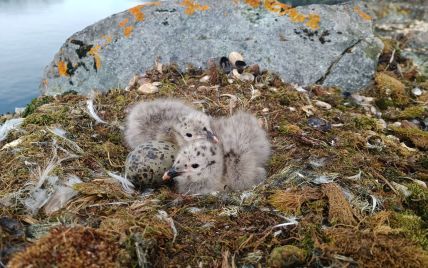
163, 215
36, 200
92, 113
62, 195
59, 132
291, 221
127, 186
10, 125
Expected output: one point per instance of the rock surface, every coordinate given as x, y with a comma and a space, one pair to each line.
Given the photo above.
406, 21
327, 44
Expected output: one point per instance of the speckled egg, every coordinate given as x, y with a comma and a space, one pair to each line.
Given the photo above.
147, 163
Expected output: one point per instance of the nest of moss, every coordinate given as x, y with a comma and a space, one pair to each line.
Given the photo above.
346, 184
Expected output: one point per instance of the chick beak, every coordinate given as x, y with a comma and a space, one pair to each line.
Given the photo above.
211, 137
170, 174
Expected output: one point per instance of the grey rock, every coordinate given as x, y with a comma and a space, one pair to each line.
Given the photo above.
110, 52
404, 20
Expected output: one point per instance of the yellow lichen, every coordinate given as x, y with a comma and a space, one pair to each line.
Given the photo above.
295, 15
137, 13
62, 68
253, 3
107, 39
192, 7
313, 21
362, 14
94, 52
123, 23
128, 30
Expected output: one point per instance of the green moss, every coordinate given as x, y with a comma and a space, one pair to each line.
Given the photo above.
49, 117
36, 103
415, 135
423, 162
412, 226
287, 256
384, 103
289, 129
418, 201
363, 122
413, 112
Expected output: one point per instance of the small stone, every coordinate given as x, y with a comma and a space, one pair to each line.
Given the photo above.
205, 79
323, 105
235, 57
273, 89
148, 88
246, 77
416, 91
265, 110
253, 69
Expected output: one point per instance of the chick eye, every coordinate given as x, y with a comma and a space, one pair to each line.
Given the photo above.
195, 165
204, 129
189, 135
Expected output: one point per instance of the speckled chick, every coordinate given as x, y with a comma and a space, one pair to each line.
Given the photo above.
237, 162
146, 164
166, 119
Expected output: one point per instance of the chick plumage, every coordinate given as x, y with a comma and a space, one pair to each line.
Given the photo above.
237, 162
165, 119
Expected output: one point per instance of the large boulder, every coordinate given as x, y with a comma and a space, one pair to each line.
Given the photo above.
328, 44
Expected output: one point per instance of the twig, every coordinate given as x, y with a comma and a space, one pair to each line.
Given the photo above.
386, 181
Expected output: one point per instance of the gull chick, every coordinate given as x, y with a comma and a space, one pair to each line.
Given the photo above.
168, 120
236, 162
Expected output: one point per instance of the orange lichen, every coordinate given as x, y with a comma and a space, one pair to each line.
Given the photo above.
253, 3
123, 23
128, 30
362, 14
277, 7
137, 13
94, 52
62, 68
295, 15
192, 7
313, 21
45, 83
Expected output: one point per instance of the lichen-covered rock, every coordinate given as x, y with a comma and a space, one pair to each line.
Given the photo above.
146, 164
330, 44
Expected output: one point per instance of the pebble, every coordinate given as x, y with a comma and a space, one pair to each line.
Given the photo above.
416, 91
148, 88
323, 105
147, 163
234, 57
205, 79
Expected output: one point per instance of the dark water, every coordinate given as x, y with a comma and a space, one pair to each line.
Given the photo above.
32, 31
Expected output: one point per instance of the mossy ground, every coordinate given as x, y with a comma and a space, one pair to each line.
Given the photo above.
326, 177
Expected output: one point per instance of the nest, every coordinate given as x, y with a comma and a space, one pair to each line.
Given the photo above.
335, 168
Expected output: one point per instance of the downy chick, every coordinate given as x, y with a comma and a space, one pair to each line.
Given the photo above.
198, 168
168, 120
237, 161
